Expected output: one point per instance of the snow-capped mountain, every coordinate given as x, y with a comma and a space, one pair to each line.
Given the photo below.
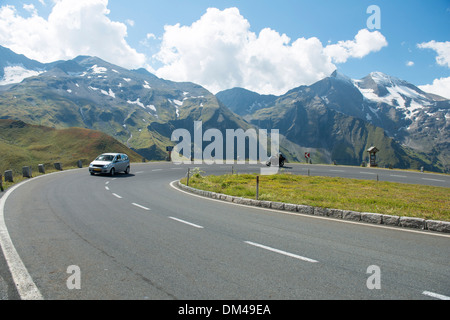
417, 119
380, 88
134, 106
15, 67
337, 116
414, 118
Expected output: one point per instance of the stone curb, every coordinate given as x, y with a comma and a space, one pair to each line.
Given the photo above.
367, 217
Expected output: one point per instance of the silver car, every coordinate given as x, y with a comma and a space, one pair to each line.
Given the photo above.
110, 163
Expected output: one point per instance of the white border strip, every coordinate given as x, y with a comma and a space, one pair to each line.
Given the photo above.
25, 286
24, 283
435, 295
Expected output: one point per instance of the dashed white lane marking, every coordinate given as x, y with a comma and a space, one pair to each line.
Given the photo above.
139, 206
429, 179
435, 295
361, 172
107, 182
337, 170
188, 223
397, 176
156, 170
107, 188
281, 252
117, 196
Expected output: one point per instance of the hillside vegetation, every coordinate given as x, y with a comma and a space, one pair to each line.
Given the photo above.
23, 144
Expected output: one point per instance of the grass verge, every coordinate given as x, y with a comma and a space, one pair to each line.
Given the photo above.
431, 203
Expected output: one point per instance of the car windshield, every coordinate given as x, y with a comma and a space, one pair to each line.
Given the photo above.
105, 157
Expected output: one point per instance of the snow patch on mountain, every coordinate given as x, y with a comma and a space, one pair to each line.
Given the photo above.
97, 70
146, 85
16, 74
140, 104
109, 93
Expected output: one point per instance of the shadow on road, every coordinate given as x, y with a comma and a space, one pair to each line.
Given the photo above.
117, 175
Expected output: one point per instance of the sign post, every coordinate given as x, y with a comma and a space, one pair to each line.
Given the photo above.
308, 157
372, 156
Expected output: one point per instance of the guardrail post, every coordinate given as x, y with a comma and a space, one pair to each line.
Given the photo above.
188, 174
58, 166
9, 176
26, 172
80, 164
41, 168
1, 183
257, 187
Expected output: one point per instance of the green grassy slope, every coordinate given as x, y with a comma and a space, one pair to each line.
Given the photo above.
23, 144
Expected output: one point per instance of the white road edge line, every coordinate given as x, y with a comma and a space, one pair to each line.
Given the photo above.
435, 295
25, 285
185, 222
117, 196
444, 235
281, 252
139, 206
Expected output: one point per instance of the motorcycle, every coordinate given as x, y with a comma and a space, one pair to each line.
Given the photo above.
273, 160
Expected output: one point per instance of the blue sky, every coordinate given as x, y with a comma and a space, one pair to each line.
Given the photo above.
265, 46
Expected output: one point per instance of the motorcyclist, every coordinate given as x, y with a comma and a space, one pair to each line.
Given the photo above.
281, 160
273, 160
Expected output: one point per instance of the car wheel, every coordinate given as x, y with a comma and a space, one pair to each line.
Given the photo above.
92, 173
112, 172
127, 171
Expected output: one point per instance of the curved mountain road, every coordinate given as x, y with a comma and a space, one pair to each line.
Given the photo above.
137, 237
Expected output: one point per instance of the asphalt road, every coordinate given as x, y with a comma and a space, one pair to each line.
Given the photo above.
137, 237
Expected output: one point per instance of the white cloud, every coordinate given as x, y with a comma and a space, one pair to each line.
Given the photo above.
74, 27
30, 8
440, 87
409, 63
442, 49
364, 43
219, 52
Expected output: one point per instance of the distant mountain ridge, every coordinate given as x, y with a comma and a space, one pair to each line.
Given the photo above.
134, 106
336, 118
416, 120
